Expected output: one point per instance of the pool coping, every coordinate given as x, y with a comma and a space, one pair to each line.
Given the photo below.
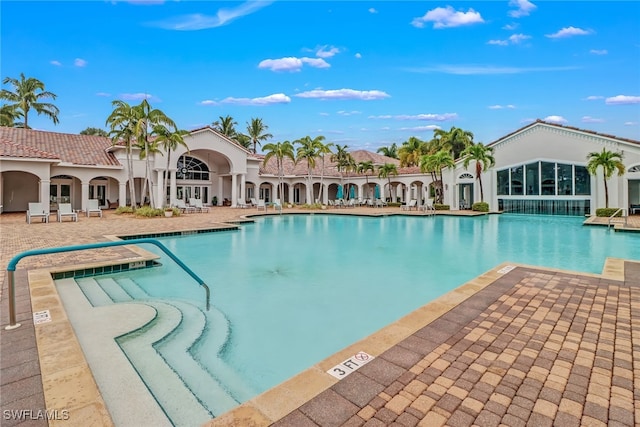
69, 384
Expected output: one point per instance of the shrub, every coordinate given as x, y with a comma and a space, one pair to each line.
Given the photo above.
149, 212
607, 212
480, 207
123, 209
311, 206
439, 207
394, 204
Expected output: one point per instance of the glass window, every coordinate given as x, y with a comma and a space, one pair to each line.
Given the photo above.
548, 172
565, 180
517, 175
533, 179
192, 168
503, 182
583, 181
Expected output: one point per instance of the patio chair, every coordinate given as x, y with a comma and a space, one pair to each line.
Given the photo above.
380, 203
180, 204
65, 211
261, 205
254, 202
93, 207
197, 203
413, 204
241, 203
113, 205
277, 206
37, 211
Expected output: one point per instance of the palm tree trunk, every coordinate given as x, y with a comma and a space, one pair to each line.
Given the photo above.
606, 193
166, 178
481, 191
321, 181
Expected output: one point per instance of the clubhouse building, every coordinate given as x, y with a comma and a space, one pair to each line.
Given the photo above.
540, 168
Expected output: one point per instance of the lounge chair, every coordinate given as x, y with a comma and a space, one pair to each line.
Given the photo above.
113, 205
413, 204
241, 203
254, 202
37, 211
180, 204
65, 211
197, 203
277, 205
261, 205
380, 203
93, 207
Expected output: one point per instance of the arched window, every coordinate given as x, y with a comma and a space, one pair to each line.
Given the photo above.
634, 168
466, 176
192, 168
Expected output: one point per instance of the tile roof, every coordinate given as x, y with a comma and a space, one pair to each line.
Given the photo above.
67, 148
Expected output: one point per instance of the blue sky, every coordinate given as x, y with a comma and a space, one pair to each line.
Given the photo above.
361, 73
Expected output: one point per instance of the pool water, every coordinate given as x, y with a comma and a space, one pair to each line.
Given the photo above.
295, 289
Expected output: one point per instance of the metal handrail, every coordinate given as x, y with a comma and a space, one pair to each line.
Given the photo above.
616, 213
11, 267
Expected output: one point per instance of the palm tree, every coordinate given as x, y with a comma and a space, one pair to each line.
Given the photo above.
391, 151
434, 163
9, 116
454, 140
411, 150
387, 171
610, 162
243, 140
94, 131
226, 126
483, 156
169, 140
340, 157
27, 94
322, 149
364, 167
122, 122
308, 151
279, 150
257, 131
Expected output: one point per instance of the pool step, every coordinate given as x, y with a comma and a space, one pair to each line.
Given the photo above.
94, 292
132, 288
114, 290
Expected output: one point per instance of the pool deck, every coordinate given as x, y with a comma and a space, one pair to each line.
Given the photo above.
515, 346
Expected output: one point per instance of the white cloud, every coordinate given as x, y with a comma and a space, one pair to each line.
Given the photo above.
103, 94
79, 62
498, 42
589, 119
486, 69
594, 97
358, 55
324, 114
555, 119
292, 64
327, 51
568, 32
448, 18
423, 117
372, 10
622, 100
56, 63
208, 102
517, 38
277, 98
524, 7
422, 128
501, 107
364, 95
198, 21
137, 96
630, 123
348, 113
598, 51
510, 27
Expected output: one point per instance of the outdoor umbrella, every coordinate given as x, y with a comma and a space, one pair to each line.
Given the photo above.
377, 192
352, 192
339, 194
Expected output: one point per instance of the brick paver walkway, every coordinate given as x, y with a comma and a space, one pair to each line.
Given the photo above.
535, 348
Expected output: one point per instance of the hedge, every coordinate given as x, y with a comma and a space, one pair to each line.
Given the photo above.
480, 207
439, 207
607, 212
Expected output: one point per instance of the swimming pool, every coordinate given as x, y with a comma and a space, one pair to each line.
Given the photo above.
290, 290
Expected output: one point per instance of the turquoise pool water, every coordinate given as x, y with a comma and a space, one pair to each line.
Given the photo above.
297, 288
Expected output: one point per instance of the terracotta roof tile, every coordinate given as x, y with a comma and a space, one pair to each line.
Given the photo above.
68, 148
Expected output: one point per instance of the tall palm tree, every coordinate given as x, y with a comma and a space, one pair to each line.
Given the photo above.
434, 163
169, 139
455, 140
28, 94
308, 151
483, 156
387, 171
147, 118
364, 167
122, 122
411, 150
9, 116
226, 126
341, 159
322, 149
390, 151
257, 131
94, 131
243, 140
610, 162
279, 150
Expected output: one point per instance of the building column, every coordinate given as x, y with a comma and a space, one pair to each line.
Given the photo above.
173, 188
161, 198
220, 189
325, 193
290, 193
234, 190
44, 194
84, 195
243, 187
122, 193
